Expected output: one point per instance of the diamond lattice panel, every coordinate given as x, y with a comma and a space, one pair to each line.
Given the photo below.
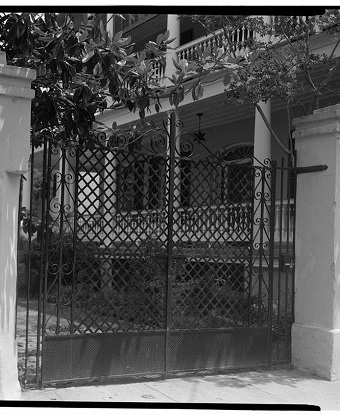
122, 223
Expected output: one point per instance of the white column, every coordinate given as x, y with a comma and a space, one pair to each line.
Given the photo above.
173, 25
110, 24
262, 151
177, 174
316, 330
262, 135
15, 117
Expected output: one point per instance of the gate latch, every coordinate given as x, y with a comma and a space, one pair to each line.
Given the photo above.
286, 263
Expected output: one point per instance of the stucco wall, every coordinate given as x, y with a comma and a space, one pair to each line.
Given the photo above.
15, 97
316, 332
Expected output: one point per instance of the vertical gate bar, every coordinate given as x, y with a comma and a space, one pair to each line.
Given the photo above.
17, 286
43, 262
29, 265
172, 144
47, 251
75, 233
63, 156
293, 248
281, 218
288, 274
18, 236
261, 248
271, 258
251, 250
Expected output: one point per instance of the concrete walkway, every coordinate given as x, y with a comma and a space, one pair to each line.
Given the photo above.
283, 387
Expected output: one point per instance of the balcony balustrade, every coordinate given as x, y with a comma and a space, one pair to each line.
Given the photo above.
206, 223
189, 51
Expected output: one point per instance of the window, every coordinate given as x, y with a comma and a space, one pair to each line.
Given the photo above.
141, 184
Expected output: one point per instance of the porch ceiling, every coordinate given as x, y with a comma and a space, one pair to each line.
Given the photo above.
216, 111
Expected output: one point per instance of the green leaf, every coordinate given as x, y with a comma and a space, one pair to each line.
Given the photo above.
166, 35
200, 90
176, 99
117, 37
181, 94
231, 59
235, 77
194, 95
177, 66
159, 39
88, 56
226, 79
83, 36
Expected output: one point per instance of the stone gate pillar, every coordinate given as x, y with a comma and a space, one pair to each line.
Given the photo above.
316, 331
15, 116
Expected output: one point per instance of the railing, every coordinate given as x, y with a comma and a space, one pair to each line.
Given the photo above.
190, 224
213, 223
90, 228
189, 51
141, 223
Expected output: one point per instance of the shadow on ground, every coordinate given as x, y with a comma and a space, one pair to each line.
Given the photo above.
284, 377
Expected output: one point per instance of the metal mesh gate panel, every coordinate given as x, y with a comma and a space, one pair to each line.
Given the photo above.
157, 256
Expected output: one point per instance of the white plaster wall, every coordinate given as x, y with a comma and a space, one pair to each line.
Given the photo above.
15, 96
316, 331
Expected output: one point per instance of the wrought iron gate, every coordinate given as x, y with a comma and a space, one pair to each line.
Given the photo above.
154, 256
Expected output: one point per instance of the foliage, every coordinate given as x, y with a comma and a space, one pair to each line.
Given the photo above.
79, 65
135, 300
277, 62
82, 69
282, 315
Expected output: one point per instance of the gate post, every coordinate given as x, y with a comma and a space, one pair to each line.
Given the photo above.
316, 331
15, 116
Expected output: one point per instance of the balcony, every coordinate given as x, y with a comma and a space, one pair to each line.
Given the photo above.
211, 224
191, 51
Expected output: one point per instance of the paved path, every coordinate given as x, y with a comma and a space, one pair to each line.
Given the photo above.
267, 387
